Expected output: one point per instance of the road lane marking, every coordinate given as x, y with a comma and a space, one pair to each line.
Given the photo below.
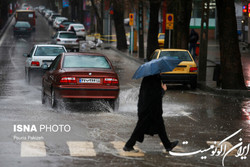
33, 149
81, 149
118, 145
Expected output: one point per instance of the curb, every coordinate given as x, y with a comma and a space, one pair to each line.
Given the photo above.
6, 25
224, 92
201, 85
140, 61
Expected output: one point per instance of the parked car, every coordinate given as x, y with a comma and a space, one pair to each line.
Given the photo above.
64, 24
79, 30
40, 8
80, 76
48, 13
58, 21
52, 17
184, 73
66, 38
22, 28
41, 54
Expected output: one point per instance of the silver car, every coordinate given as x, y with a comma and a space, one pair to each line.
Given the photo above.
67, 39
39, 55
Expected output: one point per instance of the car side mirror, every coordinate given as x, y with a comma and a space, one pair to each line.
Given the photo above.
45, 66
26, 55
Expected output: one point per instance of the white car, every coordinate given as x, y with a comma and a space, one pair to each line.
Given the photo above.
58, 21
48, 13
40, 8
67, 39
52, 17
79, 30
41, 54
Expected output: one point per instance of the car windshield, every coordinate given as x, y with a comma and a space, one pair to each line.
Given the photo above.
60, 19
67, 35
85, 61
49, 51
22, 24
66, 23
181, 55
54, 16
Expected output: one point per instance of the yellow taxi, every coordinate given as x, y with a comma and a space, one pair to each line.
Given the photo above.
184, 73
161, 39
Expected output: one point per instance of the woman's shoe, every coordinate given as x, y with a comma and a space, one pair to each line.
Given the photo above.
173, 144
130, 149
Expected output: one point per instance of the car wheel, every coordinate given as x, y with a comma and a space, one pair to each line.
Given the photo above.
114, 104
53, 101
193, 84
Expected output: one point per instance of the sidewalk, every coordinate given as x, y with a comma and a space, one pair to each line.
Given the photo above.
213, 57
2, 30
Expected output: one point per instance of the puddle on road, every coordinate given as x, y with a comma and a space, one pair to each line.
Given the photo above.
129, 99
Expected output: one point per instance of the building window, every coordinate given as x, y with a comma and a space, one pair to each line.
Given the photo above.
195, 21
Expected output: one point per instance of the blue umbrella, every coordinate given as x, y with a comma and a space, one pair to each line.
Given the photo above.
156, 66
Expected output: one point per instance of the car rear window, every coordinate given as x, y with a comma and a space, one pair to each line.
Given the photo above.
67, 35
66, 22
85, 61
49, 51
162, 36
54, 16
61, 19
22, 24
181, 55
24, 15
78, 26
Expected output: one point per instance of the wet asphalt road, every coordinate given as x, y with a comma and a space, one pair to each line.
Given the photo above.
93, 135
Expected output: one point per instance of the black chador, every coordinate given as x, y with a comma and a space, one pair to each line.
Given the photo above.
150, 120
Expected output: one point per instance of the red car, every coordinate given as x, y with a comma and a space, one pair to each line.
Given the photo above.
80, 76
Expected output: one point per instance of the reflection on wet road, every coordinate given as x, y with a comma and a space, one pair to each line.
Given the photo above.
97, 133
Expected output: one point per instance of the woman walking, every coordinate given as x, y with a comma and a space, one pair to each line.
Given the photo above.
150, 120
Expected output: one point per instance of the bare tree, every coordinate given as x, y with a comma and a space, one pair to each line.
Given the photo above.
231, 68
118, 6
153, 29
182, 15
99, 16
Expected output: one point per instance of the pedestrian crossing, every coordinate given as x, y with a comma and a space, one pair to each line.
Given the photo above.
89, 149
81, 149
33, 149
118, 145
76, 149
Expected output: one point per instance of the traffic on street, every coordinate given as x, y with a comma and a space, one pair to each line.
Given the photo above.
64, 105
